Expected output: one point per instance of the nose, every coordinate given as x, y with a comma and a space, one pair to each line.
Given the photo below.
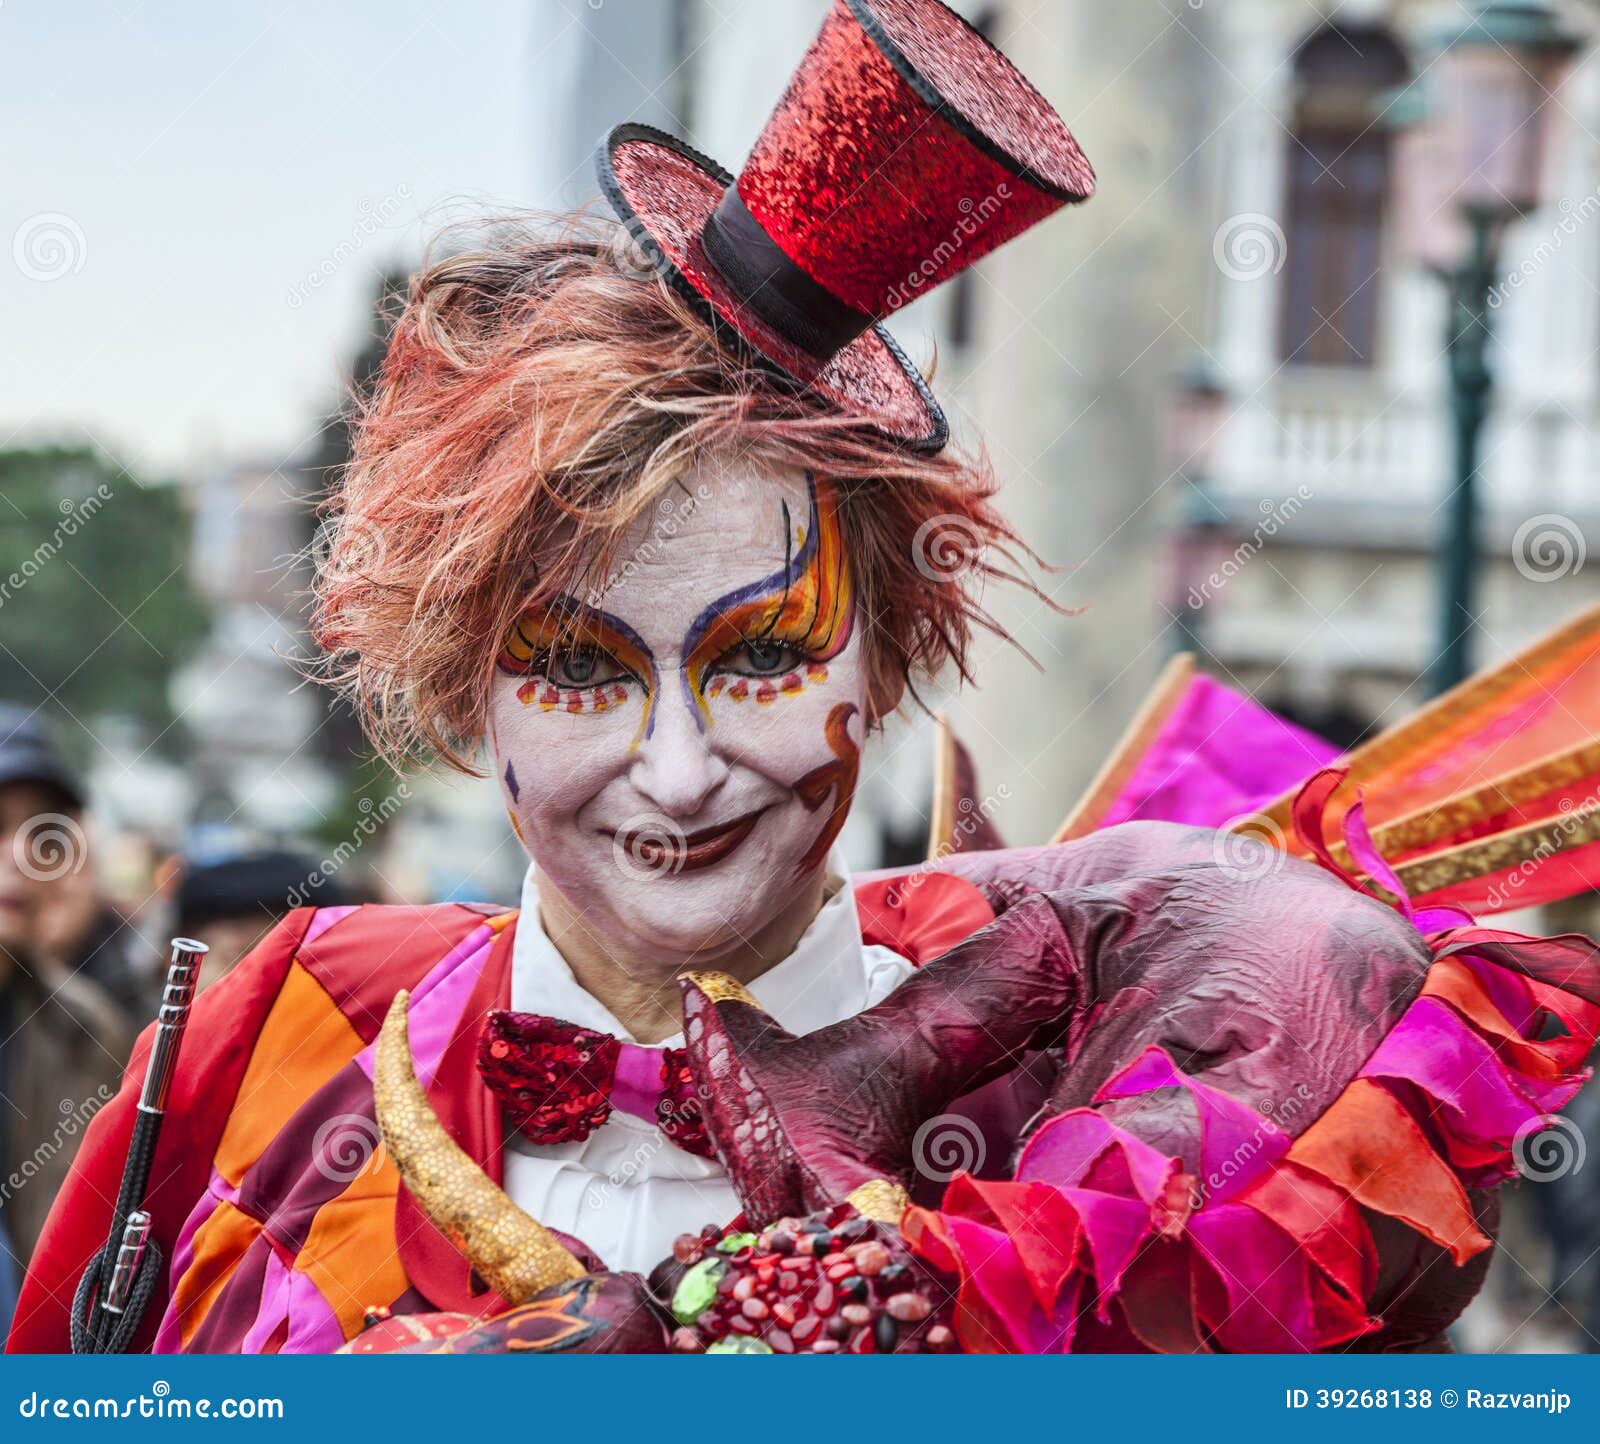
675, 766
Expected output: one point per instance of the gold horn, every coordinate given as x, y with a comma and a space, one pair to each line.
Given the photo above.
880, 1199
514, 1254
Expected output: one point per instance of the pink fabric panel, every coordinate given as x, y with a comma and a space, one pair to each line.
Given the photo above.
637, 1086
324, 919
167, 1340
437, 1001
1220, 755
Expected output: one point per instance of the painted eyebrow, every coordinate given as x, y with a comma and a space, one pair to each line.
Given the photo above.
794, 565
571, 609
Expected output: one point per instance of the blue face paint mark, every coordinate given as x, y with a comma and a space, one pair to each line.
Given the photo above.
511, 784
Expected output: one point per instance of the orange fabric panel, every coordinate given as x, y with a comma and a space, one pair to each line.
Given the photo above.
350, 1252
1322, 1220
303, 1043
1370, 1146
219, 1243
1546, 710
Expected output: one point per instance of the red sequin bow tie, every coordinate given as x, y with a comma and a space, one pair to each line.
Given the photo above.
558, 1082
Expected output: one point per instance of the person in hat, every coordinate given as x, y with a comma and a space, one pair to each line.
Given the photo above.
63, 1033
661, 519
231, 902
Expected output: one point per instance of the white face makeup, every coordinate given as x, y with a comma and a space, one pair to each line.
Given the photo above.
678, 747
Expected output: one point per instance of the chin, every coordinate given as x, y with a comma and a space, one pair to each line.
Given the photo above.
695, 920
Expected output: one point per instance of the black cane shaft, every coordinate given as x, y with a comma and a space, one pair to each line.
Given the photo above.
183, 976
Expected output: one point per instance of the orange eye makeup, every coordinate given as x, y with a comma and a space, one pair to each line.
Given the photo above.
579, 660
808, 607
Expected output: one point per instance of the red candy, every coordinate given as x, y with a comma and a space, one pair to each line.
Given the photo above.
793, 1305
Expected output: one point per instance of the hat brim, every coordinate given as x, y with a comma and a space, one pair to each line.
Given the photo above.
663, 191
44, 770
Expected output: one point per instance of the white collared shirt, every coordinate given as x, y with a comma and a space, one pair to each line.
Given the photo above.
627, 1191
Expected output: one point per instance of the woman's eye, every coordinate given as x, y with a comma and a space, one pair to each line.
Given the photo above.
583, 667
762, 658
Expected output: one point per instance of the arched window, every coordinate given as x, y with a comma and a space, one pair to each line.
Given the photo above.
1338, 178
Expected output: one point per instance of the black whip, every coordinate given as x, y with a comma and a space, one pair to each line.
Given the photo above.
117, 1286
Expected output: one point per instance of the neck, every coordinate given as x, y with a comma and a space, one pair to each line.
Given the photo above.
639, 989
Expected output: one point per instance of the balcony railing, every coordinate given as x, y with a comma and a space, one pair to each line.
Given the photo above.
1362, 457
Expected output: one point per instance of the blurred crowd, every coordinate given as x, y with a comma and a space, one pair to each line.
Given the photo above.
82, 959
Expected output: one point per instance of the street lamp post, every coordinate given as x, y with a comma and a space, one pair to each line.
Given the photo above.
1199, 541
1473, 135
1466, 346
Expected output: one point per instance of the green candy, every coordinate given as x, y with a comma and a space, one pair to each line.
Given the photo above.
697, 1290
736, 1241
738, 1344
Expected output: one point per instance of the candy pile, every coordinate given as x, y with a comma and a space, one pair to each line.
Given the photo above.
830, 1284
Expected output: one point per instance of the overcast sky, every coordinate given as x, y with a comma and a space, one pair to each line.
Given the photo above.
196, 197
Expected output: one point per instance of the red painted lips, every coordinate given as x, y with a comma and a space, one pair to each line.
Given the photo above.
661, 850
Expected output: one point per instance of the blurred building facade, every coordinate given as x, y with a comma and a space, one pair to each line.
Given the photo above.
275, 759
255, 763
1245, 229
1318, 498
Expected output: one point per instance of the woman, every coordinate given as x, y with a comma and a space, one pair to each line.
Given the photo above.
704, 600
649, 515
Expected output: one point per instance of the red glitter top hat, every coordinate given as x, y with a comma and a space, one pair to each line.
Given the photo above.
905, 148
